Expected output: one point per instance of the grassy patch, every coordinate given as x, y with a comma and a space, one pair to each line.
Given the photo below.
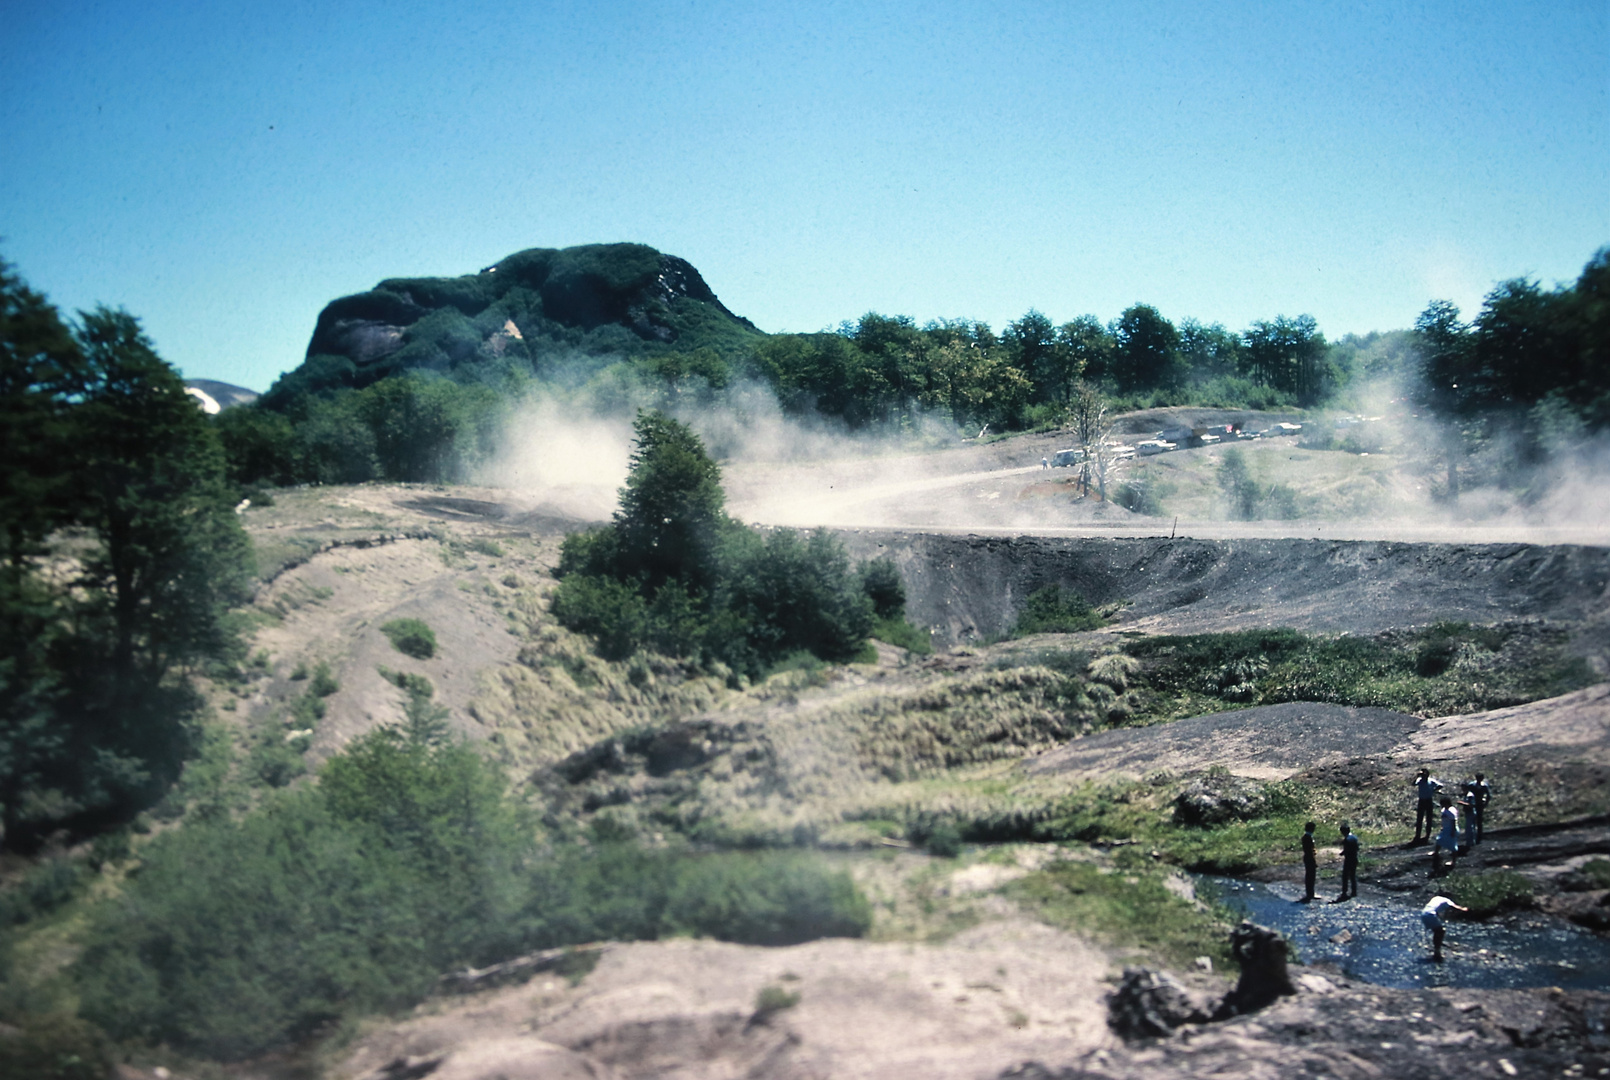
897, 631
1444, 669
1123, 906
1489, 893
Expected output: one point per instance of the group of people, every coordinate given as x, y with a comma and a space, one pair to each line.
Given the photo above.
1311, 864
1477, 794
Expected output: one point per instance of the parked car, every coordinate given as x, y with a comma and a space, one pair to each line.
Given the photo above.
1153, 446
1068, 457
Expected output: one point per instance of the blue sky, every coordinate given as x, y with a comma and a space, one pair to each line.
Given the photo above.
223, 170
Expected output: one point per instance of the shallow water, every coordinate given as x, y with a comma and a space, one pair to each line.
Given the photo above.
1378, 938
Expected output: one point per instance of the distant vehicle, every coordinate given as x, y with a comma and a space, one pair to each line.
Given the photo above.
1204, 439
1153, 446
1067, 457
1175, 434
1119, 452
1285, 429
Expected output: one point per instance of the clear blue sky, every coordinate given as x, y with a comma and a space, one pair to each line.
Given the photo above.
225, 169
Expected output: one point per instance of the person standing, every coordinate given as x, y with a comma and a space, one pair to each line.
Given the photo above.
1431, 919
1426, 787
1477, 794
1310, 863
1448, 838
1349, 864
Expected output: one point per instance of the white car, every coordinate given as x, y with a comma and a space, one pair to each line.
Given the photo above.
1153, 446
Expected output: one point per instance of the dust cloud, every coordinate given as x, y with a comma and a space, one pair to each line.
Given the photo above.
566, 453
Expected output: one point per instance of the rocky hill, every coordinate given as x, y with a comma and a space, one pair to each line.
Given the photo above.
530, 308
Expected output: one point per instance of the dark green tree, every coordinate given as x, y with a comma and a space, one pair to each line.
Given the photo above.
98, 714
40, 374
1146, 352
672, 509
1089, 347
1290, 355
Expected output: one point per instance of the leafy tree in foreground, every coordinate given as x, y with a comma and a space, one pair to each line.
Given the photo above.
95, 710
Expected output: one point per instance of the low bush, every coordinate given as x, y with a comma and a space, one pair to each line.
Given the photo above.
411, 637
901, 633
1053, 610
1444, 669
1130, 904
46, 886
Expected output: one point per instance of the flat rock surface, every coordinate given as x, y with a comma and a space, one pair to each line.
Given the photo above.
1001, 992
1270, 742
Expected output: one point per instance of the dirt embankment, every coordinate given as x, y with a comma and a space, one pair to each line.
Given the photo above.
971, 587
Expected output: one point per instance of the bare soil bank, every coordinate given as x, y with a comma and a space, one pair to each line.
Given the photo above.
971, 587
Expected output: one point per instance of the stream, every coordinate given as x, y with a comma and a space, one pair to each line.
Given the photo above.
1378, 938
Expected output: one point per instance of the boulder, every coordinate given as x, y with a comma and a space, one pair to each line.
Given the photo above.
1218, 798
1152, 1004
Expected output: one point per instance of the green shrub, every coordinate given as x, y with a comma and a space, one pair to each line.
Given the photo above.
881, 581
1490, 893
901, 633
1596, 872
411, 637
1053, 611
1138, 497
54, 1046
944, 841
772, 1000
46, 886
323, 684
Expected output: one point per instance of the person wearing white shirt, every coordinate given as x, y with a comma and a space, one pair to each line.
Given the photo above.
1431, 919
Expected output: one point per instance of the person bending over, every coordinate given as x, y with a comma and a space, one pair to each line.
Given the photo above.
1431, 919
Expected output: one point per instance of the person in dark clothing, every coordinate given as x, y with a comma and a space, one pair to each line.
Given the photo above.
1349, 864
1310, 863
1426, 787
1477, 793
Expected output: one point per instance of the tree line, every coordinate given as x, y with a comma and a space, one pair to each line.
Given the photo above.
433, 423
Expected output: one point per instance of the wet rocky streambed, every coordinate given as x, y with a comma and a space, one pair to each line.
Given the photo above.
1378, 938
